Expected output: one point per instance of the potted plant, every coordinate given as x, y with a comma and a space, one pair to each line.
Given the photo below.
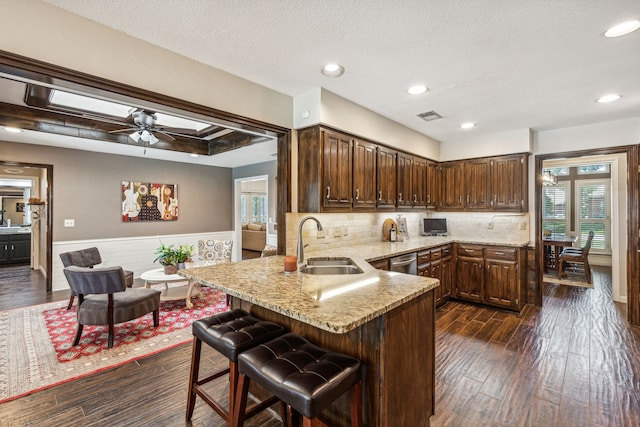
166, 255
183, 254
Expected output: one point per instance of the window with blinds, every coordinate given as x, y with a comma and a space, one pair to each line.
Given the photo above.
593, 205
555, 210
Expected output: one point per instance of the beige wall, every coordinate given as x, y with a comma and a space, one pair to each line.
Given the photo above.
40, 31
86, 187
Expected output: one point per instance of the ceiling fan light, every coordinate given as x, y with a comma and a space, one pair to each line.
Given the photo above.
152, 139
135, 136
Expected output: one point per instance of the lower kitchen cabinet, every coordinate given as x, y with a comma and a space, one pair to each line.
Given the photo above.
491, 275
438, 264
15, 249
380, 264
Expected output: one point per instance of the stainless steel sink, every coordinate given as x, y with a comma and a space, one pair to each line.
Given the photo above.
330, 261
330, 269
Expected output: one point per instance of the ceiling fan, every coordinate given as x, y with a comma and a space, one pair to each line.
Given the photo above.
144, 128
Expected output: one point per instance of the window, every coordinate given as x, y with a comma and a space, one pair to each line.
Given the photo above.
592, 203
592, 169
562, 171
555, 211
253, 208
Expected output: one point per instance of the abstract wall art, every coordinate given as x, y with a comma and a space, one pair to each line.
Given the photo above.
142, 201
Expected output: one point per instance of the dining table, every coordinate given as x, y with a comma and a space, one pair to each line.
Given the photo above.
556, 242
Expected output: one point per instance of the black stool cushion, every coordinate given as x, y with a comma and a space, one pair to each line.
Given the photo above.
234, 331
299, 373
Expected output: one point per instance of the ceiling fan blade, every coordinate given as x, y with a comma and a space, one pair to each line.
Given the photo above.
177, 131
163, 135
123, 130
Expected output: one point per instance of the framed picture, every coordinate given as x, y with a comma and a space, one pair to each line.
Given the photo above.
19, 207
145, 201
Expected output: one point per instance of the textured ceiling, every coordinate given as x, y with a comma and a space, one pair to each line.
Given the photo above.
505, 64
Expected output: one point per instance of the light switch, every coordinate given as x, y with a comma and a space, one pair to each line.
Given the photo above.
69, 222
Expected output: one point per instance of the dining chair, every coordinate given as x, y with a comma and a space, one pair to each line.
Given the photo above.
577, 256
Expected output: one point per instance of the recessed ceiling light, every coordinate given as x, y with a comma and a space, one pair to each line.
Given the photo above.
623, 28
12, 129
467, 125
608, 98
332, 70
417, 90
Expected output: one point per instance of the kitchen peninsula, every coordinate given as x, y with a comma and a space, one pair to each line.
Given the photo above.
385, 319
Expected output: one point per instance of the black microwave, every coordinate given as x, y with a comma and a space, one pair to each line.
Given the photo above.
434, 226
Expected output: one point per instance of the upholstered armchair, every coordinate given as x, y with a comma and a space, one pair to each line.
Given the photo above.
104, 299
88, 258
213, 252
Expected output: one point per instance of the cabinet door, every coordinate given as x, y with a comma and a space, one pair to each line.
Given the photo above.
470, 277
381, 264
500, 284
20, 249
452, 185
435, 271
364, 174
419, 183
404, 180
4, 249
386, 178
336, 174
446, 278
509, 183
476, 184
434, 184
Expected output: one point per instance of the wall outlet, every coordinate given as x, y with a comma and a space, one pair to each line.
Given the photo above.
320, 234
523, 225
345, 230
490, 225
69, 222
337, 231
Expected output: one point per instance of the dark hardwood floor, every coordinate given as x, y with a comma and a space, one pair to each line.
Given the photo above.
573, 362
20, 286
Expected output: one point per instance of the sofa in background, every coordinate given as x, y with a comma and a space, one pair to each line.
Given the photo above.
254, 236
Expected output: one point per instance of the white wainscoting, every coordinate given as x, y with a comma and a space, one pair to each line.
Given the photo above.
132, 253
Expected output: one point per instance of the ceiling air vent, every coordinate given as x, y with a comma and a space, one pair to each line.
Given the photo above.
429, 116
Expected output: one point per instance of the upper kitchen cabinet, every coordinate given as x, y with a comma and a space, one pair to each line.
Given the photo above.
386, 174
419, 199
453, 194
325, 161
476, 184
509, 183
405, 180
434, 184
365, 156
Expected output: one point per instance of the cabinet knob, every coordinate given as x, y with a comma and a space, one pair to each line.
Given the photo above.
415, 198
461, 199
467, 199
428, 198
399, 197
328, 191
357, 193
380, 195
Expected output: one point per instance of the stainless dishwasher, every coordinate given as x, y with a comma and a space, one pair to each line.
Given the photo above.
407, 264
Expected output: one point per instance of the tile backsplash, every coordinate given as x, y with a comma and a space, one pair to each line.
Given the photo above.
342, 229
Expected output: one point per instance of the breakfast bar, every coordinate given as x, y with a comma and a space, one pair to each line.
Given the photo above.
385, 319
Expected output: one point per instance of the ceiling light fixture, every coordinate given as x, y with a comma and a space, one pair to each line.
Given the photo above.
467, 125
623, 28
12, 129
144, 135
608, 98
417, 90
332, 70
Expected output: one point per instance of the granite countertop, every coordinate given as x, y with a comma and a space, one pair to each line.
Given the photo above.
335, 303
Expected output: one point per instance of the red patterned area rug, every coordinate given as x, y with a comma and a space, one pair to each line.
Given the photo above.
61, 324
29, 362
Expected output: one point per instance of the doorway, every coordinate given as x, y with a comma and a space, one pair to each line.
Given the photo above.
26, 188
623, 161
251, 216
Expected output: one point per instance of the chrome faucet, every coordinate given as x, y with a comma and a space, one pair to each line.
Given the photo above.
300, 243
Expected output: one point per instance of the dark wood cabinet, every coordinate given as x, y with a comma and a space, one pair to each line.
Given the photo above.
15, 249
438, 264
453, 192
476, 184
365, 161
380, 264
509, 183
404, 180
336, 170
386, 178
434, 184
419, 182
491, 275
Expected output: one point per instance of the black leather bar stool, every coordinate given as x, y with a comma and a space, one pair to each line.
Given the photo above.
230, 333
302, 375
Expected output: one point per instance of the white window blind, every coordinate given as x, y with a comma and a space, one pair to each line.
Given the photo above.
555, 209
593, 205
